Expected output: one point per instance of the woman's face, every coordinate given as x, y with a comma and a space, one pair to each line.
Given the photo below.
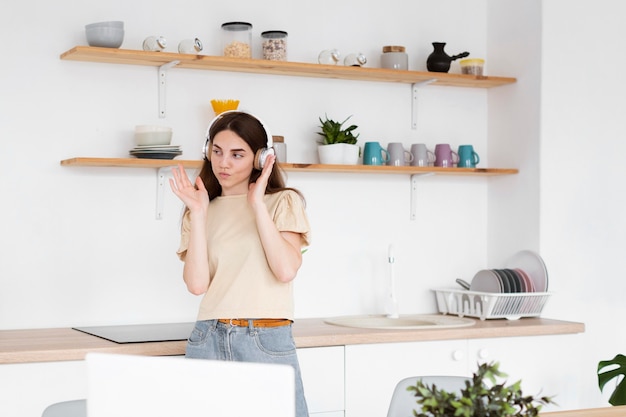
232, 161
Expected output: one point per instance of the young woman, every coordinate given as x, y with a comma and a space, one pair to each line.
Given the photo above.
241, 244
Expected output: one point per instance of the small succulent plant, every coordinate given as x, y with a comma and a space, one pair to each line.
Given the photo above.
333, 132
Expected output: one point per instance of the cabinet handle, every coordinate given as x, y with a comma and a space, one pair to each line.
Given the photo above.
483, 353
458, 355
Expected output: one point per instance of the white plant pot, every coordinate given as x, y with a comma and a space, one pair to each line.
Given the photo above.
338, 154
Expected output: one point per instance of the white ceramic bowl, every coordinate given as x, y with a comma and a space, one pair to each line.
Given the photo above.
148, 135
109, 24
105, 36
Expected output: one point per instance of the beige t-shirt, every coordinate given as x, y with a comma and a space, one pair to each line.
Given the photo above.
242, 284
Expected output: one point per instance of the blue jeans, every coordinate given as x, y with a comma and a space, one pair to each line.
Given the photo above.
211, 339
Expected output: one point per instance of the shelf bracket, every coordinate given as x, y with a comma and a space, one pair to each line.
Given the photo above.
161, 180
414, 88
414, 192
162, 78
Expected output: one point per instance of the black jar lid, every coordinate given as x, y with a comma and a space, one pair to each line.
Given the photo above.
236, 26
274, 34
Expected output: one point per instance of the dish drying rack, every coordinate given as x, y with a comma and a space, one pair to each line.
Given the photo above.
486, 305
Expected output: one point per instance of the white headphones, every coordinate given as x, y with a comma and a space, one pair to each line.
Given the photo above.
259, 157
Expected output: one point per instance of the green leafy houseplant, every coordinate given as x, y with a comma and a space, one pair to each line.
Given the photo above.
609, 369
478, 398
334, 132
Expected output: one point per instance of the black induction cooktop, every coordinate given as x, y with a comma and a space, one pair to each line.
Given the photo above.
141, 333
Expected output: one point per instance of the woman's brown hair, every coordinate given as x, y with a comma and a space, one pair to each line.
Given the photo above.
252, 131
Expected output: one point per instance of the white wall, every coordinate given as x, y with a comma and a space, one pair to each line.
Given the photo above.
582, 172
81, 245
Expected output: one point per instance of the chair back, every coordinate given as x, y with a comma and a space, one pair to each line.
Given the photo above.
74, 408
403, 402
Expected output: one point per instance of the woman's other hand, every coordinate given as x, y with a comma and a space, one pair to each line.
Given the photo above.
196, 198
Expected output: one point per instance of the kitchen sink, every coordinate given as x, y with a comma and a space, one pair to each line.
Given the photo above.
403, 322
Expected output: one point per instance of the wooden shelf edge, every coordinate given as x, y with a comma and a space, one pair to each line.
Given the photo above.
261, 66
290, 167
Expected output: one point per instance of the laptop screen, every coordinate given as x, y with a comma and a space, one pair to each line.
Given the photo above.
158, 386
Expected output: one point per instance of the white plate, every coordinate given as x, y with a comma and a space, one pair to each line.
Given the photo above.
531, 263
147, 147
486, 280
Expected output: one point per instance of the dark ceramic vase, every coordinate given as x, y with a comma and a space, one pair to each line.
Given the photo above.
439, 60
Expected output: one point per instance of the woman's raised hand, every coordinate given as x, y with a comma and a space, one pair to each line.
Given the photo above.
256, 190
195, 196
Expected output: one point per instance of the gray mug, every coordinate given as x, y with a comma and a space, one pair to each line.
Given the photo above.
398, 156
422, 157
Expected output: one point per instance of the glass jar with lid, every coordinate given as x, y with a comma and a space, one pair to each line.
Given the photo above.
394, 57
274, 44
237, 39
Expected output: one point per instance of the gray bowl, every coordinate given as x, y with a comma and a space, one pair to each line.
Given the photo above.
109, 24
103, 36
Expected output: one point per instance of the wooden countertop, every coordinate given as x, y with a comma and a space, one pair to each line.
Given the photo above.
619, 411
66, 344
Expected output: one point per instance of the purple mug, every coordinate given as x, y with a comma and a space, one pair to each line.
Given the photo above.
445, 156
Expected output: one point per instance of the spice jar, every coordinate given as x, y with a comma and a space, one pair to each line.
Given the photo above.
154, 43
394, 57
274, 44
190, 46
473, 66
355, 60
329, 57
237, 39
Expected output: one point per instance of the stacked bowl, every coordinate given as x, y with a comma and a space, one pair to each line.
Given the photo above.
153, 142
105, 34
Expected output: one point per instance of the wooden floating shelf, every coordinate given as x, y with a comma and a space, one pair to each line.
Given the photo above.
261, 66
292, 167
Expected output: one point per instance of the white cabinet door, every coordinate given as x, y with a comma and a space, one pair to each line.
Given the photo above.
372, 371
546, 365
323, 378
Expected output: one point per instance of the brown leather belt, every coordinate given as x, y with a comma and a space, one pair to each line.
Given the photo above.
256, 323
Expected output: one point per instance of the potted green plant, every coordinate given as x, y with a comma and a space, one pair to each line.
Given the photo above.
610, 369
481, 397
338, 144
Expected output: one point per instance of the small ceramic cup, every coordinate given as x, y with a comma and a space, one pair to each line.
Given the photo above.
468, 158
422, 157
374, 154
444, 156
398, 156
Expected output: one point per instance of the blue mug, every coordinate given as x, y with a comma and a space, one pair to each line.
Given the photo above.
374, 154
467, 157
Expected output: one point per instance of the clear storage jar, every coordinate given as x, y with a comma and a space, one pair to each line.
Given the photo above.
394, 57
472, 66
237, 39
274, 44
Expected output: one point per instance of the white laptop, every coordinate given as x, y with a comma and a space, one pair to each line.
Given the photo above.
172, 386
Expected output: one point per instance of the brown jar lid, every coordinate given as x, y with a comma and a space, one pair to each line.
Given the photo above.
394, 48
278, 139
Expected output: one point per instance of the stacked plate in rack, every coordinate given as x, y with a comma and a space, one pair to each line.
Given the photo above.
525, 272
156, 151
